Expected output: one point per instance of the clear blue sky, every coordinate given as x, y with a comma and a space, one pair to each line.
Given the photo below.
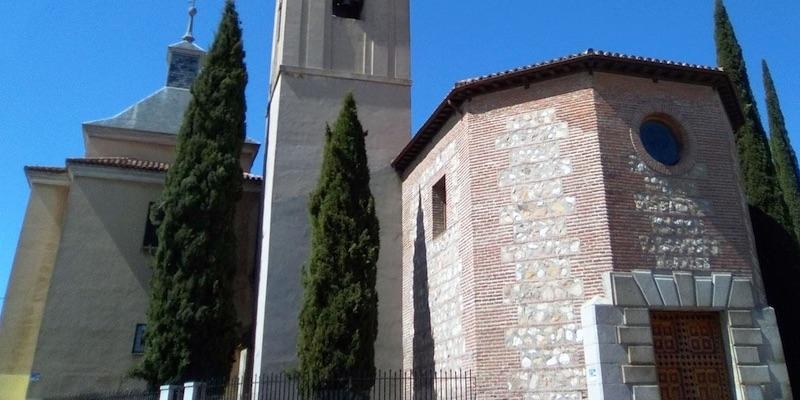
67, 62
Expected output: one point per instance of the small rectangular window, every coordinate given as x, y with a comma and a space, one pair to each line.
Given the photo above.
348, 8
150, 241
439, 207
138, 339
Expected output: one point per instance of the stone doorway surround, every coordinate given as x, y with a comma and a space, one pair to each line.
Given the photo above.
618, 339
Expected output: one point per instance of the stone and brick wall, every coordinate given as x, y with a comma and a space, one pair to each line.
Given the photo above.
691, 217
447, 255
541, 222
550, 194
525, 194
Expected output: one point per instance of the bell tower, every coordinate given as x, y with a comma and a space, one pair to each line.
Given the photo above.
322, 50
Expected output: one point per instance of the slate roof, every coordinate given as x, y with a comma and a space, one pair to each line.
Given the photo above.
160, 112
183, 44
121, 162
588, 61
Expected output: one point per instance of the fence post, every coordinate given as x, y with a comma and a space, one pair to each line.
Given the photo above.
193, 390
167, 392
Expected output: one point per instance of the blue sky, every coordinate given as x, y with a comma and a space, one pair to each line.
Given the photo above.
67, 62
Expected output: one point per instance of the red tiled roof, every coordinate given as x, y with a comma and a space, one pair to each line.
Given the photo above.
619, 56
589, 60
122, 162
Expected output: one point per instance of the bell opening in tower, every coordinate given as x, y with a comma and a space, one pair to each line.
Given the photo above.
348, 8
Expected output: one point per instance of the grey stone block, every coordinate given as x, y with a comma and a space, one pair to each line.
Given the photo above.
607, 373
772, 341
602, 314
722, 288
594, 390
741, 294
766, 316
637, 316
704, 290
751, 374
779, 372
648, 287
600, 334
746, 355
609, 392
740, 319
594, 374
668, 290
639, 374
746, 336
626, 291
685, 283
604, 353
646, 392
753, 393
635, 335
641, 355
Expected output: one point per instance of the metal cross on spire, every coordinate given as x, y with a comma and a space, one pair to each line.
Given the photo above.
189, 35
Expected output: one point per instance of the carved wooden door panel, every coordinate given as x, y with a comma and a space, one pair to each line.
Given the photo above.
690, 355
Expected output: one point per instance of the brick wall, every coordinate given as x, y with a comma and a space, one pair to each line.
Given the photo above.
448, 255
692, 218
539, 208
548, 193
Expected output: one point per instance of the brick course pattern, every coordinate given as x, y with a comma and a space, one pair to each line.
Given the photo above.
548, 191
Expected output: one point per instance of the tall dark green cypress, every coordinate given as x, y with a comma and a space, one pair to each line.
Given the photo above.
339, 317
778, 253
755, 160
783, 155
192, 330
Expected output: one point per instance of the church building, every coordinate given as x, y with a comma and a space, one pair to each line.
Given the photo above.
576, 229
573, 229
75, 311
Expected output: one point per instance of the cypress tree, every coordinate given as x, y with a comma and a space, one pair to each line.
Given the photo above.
782, 153
339, 317
755, 160
778, 253
192, 329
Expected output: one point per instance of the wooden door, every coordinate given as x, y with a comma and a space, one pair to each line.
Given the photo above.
690, 355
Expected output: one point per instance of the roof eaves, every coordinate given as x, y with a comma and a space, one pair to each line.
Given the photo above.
135, 164
39, 168
589, 60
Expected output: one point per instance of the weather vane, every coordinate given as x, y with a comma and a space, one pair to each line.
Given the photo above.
189, 35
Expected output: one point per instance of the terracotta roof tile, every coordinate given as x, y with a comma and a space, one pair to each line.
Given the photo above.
122, 162
590, 60
587, 52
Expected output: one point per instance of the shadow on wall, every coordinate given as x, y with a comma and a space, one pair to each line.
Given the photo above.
777, 256
423, 345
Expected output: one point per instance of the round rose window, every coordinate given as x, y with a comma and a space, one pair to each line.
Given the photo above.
660, 141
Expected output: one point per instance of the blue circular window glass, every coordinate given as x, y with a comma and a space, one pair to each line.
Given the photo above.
660, 142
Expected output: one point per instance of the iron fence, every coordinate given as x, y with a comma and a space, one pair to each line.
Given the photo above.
386, 385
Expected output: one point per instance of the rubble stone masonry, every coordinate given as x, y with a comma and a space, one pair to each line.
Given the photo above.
550, 198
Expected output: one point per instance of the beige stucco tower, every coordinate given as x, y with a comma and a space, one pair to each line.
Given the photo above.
321, 51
